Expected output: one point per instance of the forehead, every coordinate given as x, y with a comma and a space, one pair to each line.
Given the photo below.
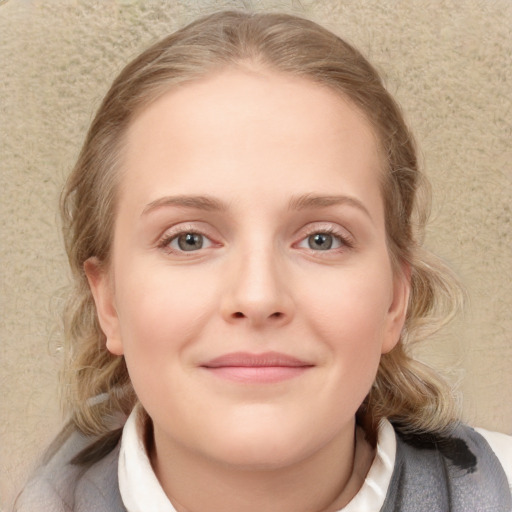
248, 129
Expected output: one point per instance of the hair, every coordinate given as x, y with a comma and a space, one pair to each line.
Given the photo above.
97, 387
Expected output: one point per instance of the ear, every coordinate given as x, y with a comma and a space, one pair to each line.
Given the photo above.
102, 289
398, 308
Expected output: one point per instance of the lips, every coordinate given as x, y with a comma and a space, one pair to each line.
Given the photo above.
267, 367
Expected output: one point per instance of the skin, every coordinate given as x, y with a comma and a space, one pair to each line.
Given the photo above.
259, 146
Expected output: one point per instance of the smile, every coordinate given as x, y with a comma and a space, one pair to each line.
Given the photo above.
269, 367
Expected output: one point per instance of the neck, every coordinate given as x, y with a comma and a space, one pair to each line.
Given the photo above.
322, 482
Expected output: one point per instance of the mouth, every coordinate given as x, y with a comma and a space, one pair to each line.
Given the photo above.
268, 367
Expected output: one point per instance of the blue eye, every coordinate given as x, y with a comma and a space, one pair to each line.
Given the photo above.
188, 242
322, 241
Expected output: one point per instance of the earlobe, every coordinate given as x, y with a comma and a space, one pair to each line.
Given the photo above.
102, 290
398, 310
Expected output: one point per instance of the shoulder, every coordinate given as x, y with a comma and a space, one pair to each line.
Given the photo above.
471, 449
51, 486
98, 487
61, 485
457, 471
501, 445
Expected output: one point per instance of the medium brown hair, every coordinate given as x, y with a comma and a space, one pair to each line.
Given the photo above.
97, 387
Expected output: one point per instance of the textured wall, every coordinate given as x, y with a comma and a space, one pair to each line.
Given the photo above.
447, 61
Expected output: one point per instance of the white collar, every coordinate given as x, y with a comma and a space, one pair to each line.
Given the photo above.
141, 490
139, 487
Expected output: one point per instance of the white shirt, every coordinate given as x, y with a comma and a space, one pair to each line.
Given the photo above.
141, 490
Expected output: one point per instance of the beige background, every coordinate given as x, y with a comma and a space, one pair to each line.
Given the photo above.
447, 61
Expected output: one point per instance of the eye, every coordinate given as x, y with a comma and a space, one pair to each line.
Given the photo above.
187, 242
322, 241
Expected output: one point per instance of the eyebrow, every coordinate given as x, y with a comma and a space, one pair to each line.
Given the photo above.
316, 201
206, 203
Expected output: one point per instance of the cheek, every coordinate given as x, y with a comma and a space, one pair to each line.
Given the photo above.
349, 312
350, 304
161, 310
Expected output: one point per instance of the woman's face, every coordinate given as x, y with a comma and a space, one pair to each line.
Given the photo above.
250, 287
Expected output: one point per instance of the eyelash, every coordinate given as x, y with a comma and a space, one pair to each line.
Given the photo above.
345, 241
168, 238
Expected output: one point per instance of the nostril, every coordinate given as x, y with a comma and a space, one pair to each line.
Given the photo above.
277, 314
238, 314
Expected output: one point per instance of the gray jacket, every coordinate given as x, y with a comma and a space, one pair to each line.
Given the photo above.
459, 473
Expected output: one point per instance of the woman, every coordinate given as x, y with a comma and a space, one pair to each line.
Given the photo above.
244, 225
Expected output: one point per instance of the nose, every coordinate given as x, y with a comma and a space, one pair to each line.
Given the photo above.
257, 292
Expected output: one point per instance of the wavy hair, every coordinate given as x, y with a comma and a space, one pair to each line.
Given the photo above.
97, 388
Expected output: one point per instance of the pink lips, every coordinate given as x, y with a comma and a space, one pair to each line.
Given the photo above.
268, 367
